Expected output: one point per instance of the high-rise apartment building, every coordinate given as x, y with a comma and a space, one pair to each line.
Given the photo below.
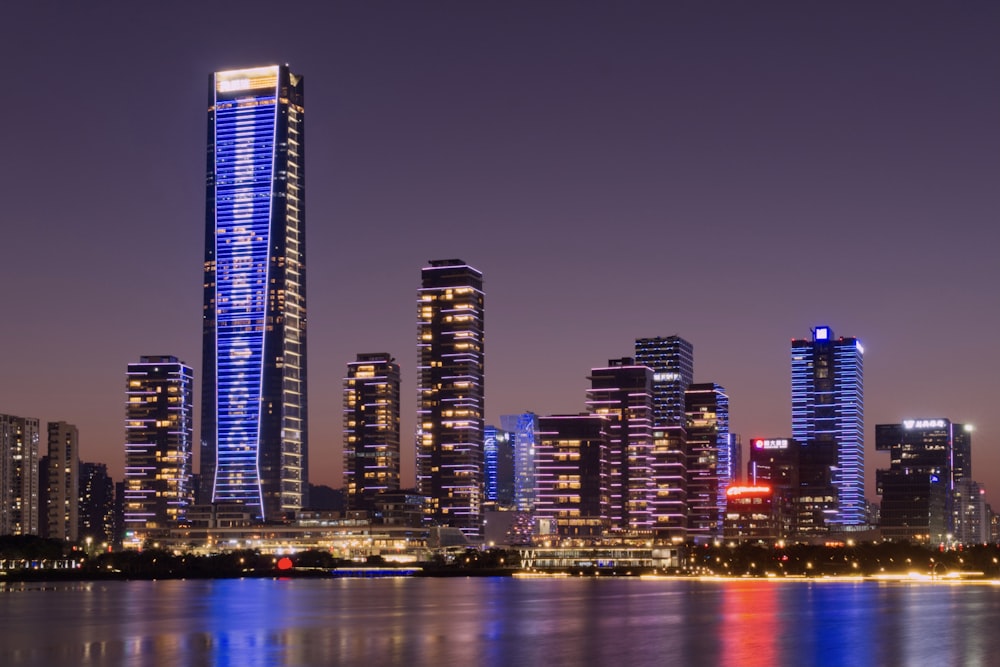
371, 428
524, 429
709, 464
97, 504
63, 482
19, 491
828, 411
254, 448
672, 361
158, 446
622, 392
918, 488
450, 406
573, 474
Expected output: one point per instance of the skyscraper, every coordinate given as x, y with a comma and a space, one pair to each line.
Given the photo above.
371, 428
19, 437
709, 469
573, 474
828, 410
254, 448
450, 393
622, 392
524, 429
672, 361
918, 487
158, 446
63, 482
97, 503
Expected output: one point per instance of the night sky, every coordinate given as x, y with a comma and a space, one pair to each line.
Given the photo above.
730, 172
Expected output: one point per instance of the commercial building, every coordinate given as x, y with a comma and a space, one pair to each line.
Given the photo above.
63, 482
450, 397
158, 446
573, 474
828, 414
622, 392
254, 448
672, 360
19, 490
371, 428
498, 451
97, 504
523, 428
919, 485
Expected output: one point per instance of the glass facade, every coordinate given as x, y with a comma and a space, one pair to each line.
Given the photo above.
254, 447
371, 428
672, 361
828, 410
450, 405
709, 458
524, 428
159, 432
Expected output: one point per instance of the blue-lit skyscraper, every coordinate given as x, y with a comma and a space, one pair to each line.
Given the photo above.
524, 429
498, 453
828, 409
254, 448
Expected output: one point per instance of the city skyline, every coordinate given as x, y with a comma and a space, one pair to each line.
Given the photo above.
715, 184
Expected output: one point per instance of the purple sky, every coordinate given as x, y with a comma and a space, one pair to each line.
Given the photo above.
730, 172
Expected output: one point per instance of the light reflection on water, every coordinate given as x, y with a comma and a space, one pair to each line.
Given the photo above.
497, 622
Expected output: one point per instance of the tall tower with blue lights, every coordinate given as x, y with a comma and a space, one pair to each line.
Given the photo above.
254, 448
828, 410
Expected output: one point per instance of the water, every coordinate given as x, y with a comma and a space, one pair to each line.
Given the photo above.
494, 622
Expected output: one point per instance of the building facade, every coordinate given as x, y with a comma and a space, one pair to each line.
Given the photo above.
450, 397
63, 482
918, 488
254, 448
573, 474
371, 428
524, 429
828, 412
19, 490
159, 432
709, 459
97, 504
672, 360
498, 453
622, 393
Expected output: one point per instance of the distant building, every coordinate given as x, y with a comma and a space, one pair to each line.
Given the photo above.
63, 483
709, 459
158, 446
918, 487
524, 429
972, 522
97, 504
669, 501
622, 392
19, 490
573, 474
450, 396
371, 428
751, 515
828, 412
774, 463
498, 450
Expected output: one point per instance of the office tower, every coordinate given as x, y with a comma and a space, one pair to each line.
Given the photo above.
669, 501
622, 392
573, 474
524, 428
371, 428
918, 487
63, 483
709, 454
672, 361
450, 405
828, 411
97, 504
254, 448
774, 463
498, 455
158, 446
971, 525
19, 491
